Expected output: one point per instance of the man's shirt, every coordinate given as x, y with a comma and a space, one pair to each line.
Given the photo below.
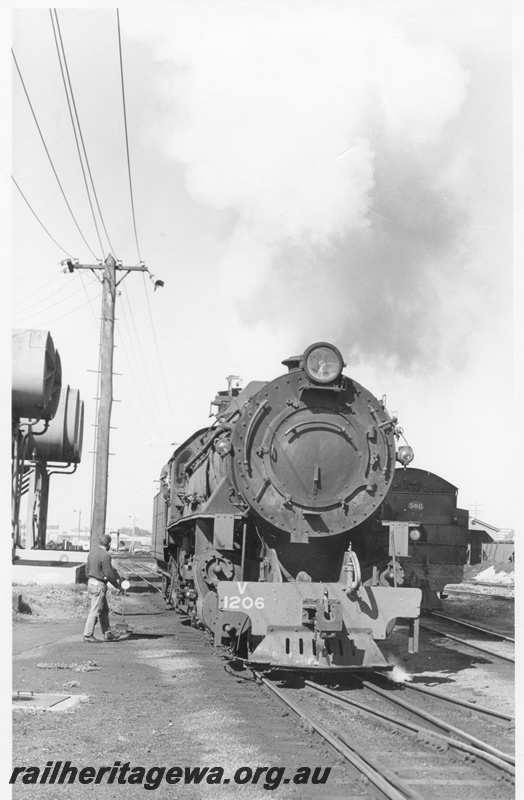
99, 566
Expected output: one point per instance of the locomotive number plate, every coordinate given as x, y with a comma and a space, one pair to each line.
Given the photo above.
264, 603
241, 601
416, 505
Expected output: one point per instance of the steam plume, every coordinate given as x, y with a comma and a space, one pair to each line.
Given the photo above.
328, 134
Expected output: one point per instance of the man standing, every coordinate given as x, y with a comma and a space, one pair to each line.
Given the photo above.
100, 572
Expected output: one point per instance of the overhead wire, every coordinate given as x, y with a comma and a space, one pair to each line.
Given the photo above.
124, 108
67, 314
74, 115
137, 339
126, 133
159, 359
159, 434
96, 319
152, 400
72, 107
71, 103
154, 416
139, 384
24, 311
74, 128
134, 217
39, 289
59, 273
31, 294
154, 395
73, 110
38, 219
49, 155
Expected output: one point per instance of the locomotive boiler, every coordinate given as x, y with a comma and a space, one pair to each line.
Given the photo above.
255, 522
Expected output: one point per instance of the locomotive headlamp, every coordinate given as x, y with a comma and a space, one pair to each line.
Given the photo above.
405, 454
223, 447
322, 362
415, 534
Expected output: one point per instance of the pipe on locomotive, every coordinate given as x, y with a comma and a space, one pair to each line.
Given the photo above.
222, 428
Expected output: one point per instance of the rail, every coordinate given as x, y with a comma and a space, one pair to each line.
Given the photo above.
131, 571
383, 783
481, 711
473, 645
480, 594
437, 723
496, 762
466, 624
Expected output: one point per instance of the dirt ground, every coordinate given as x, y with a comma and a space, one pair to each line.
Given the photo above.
165, 697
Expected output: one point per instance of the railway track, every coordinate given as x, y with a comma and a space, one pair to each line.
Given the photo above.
134, 571
478, 638
469, 625
487, 583
402, 742
438, 756
472, 593
492, 715
465, 624
395, 749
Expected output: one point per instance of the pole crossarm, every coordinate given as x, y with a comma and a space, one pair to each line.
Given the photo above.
72, 263
110, 267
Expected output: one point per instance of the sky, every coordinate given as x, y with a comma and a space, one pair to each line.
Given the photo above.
300, 172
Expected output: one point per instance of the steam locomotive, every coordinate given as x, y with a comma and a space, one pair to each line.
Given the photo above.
437, 542
260, 517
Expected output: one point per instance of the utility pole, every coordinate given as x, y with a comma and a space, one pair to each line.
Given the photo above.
109, 281
107, 336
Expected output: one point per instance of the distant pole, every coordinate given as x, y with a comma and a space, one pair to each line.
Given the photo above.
133, 535
109, 281
476, 509
107, 337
